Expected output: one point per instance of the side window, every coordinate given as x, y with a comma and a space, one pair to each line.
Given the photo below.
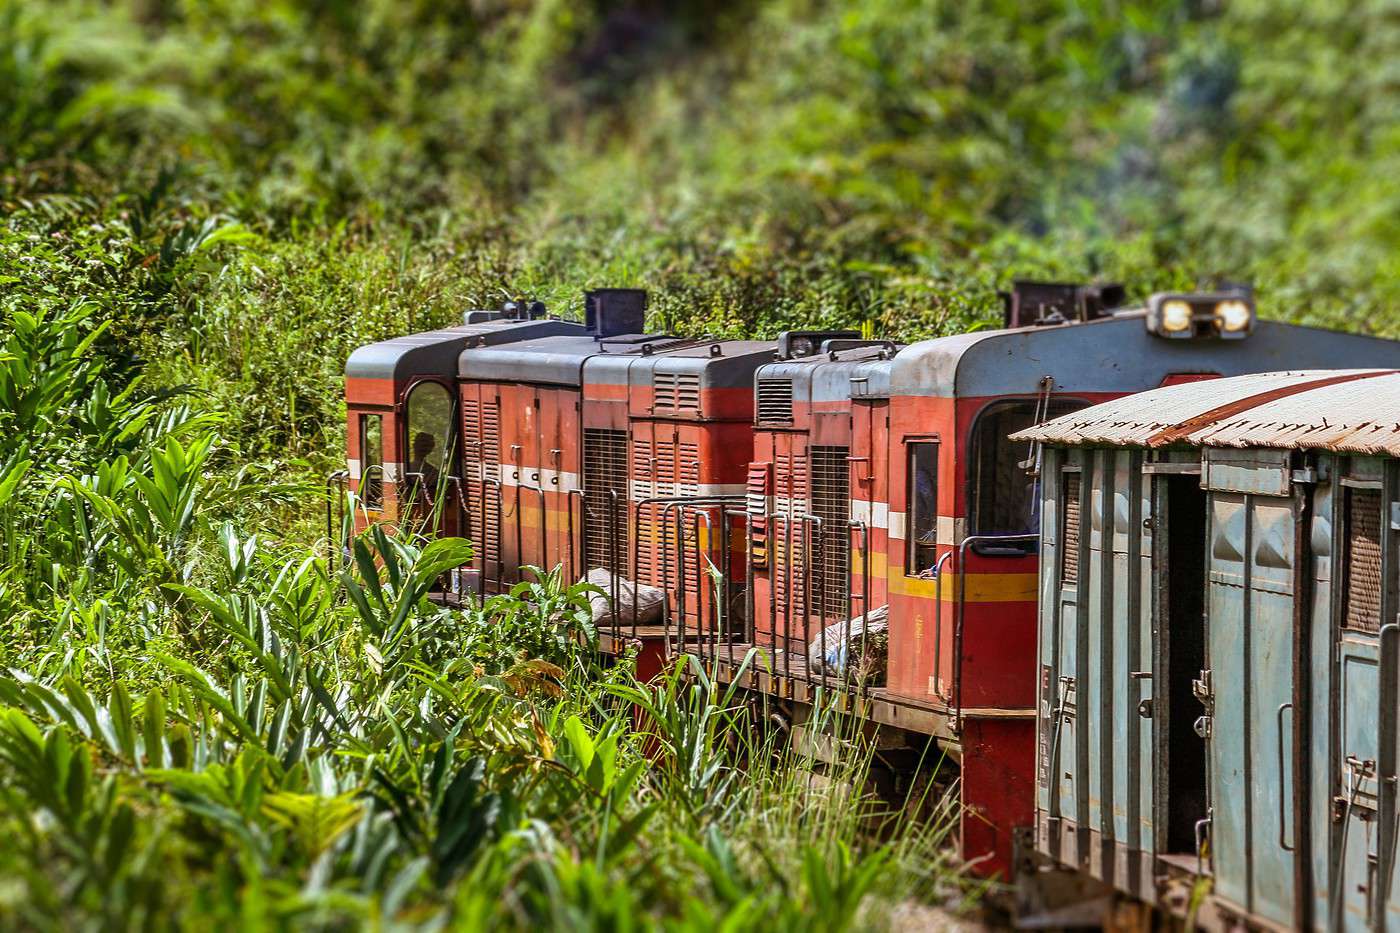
1005, 497
372, 461
922, 528
1361, 561
429, 435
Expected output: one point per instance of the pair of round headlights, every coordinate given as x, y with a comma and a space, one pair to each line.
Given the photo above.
1231, 315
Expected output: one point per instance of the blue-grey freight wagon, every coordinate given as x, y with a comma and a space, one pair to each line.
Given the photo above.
1218, 646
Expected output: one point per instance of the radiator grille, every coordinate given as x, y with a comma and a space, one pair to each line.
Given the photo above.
1069, 541
831, 502
604, 472
1362, 610
676, 392
775, 400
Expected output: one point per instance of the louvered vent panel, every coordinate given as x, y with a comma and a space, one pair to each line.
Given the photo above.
643, 470
756, 504
471, 440
490, 486
775, 400
792, 487
676, 392
1362, 610
688, 469
605, 519
790, 579
665, 467
831, 502
644, 487
1069, 541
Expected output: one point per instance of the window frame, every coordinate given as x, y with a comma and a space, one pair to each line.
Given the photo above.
912, 444
451, 443
974, 493
371, 491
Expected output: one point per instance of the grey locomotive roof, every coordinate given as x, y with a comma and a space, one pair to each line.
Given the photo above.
860, 371
557, 360
1116, 354
1355, 411
435, 351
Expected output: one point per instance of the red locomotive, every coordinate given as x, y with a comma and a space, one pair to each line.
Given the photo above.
786, 493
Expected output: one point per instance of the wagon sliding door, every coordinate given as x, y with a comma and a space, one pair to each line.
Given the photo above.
1248, 689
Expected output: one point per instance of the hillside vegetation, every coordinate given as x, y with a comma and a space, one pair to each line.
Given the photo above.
204, 206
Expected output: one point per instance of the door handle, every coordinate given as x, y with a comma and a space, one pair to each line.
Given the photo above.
1282, 804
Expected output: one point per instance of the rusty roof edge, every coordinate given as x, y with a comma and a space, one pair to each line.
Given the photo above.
1194, 425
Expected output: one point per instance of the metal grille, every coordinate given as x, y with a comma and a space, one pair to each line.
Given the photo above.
676, 391
775, 400
481, 431
1362, 609
605, 471
831, 502
1069, 541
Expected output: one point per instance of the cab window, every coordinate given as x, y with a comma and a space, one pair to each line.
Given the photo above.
922, 534
1004, 491
372, 461
429, 436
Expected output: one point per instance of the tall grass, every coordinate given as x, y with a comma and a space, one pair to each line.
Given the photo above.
205, 722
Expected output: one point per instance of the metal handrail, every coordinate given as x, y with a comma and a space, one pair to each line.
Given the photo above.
864, 530
668, 501
937, 575
336, 478
383, 481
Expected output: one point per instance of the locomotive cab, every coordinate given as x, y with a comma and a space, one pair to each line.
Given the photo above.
400, 416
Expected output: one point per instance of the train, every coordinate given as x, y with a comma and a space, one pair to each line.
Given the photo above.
865, 517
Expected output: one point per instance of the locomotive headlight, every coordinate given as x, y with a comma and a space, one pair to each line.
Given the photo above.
1176, 316
1233, 316
1227, 315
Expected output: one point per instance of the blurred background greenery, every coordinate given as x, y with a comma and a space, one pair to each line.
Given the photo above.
254, 188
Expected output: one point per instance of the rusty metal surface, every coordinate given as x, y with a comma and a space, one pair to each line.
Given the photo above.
1356, 411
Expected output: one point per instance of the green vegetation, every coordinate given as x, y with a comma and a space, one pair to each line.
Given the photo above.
205, 206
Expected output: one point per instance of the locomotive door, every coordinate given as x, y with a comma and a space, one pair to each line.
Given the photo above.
557, 467
430, 429
1248, 687
1362, 836
520, 453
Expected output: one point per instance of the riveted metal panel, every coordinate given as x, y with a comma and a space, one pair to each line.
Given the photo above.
1263, 472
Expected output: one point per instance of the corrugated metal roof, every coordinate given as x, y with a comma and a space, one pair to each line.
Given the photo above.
1357, 411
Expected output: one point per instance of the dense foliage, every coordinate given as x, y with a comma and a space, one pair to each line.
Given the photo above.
205, 205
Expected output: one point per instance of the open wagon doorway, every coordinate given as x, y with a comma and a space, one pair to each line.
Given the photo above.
1181, 585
